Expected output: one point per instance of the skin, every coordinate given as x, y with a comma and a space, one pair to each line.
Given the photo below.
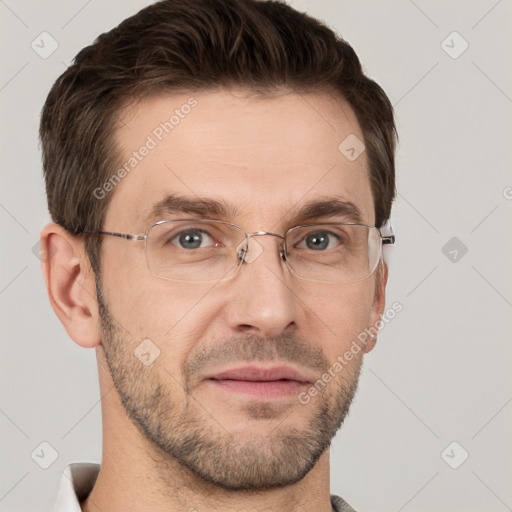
266, 157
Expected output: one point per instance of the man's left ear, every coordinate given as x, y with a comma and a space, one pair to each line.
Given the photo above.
379, 303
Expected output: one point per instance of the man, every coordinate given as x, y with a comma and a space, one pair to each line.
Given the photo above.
218, 173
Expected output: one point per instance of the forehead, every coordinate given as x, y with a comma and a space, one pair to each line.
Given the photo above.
262, 159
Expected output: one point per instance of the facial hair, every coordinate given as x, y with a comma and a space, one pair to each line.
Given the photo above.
163, 407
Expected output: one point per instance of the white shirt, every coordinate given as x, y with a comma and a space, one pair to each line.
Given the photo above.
76, 483
79, 478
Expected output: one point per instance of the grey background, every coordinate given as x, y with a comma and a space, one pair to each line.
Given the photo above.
441, 370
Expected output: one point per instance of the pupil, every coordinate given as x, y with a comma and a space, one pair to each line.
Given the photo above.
190, 240
317, 241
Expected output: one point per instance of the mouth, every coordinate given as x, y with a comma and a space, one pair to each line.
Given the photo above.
264, 383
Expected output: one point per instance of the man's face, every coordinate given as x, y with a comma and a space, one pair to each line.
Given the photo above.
263, 159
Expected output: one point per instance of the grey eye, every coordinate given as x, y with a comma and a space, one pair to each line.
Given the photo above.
319, 240
192, 239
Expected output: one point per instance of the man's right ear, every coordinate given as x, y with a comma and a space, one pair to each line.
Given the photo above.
70, 284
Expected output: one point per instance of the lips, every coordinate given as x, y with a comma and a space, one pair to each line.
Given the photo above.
255, 374
276, 382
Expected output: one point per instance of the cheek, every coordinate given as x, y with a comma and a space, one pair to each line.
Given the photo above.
340, 314
172, 315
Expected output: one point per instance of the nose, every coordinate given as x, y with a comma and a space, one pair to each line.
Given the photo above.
263, 301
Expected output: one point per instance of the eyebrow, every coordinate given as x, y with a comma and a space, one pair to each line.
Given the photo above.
199, 206
208, 208
329, 207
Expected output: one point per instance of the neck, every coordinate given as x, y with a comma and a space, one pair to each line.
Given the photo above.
124, 484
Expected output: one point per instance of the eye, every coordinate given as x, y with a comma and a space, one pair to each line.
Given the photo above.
319, 241
192, 239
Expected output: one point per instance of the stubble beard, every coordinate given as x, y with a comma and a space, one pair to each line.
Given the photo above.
185, 433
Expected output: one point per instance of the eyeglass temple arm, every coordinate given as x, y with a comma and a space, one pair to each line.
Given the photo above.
121, 235
389, 238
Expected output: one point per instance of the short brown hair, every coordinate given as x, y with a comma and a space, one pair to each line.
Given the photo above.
173, 45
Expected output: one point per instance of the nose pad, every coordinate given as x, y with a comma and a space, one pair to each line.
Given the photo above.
250, 252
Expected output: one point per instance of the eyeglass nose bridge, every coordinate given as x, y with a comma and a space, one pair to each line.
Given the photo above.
244, 254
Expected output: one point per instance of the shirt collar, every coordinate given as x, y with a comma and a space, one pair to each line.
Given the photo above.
76, 483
